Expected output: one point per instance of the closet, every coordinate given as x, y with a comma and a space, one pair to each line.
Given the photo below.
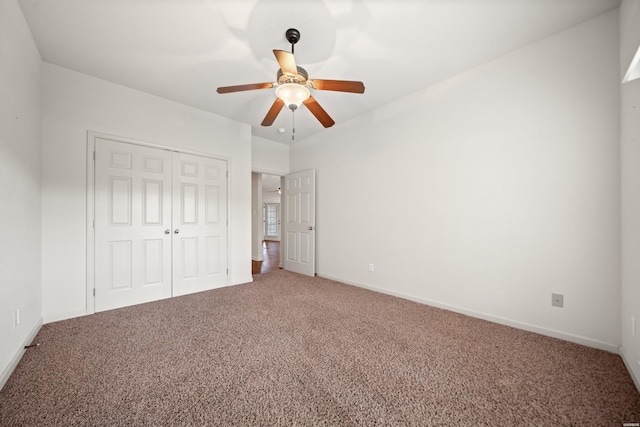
160, 223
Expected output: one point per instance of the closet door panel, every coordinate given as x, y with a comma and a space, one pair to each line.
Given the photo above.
132, 216
199, 223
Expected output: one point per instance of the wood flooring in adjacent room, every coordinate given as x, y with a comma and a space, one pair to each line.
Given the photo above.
270, 256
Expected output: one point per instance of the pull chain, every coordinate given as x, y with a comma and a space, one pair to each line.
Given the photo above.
293, 129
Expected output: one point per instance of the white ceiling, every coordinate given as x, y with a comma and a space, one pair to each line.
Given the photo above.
184, 49
270, 183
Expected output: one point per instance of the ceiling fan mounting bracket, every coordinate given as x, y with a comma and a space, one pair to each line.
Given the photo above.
292, 35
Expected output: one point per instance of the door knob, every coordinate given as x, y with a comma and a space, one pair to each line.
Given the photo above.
311, 228
177, 231
167, 231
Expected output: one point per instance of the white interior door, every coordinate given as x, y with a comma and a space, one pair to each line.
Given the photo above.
199, 223
132, 222
160, 224
299, 222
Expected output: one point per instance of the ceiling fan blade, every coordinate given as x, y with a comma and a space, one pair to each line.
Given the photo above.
286, 61
240, 88
273, 112
319, 112
338, 85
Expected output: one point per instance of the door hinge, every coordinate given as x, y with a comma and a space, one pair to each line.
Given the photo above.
94, 223
94, 156
227, 174
94, 292
227, 271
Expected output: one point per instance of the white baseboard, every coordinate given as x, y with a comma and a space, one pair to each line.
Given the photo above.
612, 348
242, 281
79, 313
64, 316
16, 358
634, 369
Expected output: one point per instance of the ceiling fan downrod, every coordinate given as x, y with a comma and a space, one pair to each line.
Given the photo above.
293, 36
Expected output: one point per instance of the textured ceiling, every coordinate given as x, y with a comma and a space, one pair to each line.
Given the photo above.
184, 49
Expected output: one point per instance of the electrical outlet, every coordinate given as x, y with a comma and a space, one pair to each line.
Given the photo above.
633, 326
557, 300
16, 318
370, 267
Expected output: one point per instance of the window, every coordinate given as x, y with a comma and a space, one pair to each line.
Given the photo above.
271, 219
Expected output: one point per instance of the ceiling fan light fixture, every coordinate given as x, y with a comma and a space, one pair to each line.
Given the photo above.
292, 87
292, 94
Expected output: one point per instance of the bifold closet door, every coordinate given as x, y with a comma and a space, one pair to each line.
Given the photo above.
160, 224
199, 223
132, 224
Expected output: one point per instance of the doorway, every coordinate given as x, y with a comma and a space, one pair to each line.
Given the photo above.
266, 225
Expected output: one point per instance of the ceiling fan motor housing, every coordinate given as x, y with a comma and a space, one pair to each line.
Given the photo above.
301, 78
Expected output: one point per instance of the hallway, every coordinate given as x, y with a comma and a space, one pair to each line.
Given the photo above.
270, 256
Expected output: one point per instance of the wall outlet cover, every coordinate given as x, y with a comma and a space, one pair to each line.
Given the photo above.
557, 300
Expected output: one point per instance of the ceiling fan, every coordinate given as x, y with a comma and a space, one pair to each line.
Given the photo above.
293, 84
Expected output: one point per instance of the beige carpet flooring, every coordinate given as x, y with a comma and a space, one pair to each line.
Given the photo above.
291, 350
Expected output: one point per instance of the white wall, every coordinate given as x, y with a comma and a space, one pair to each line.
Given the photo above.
20, 186
487, 192
269, 156
272, 158
270, 196
630, 155
257, 234
75, 103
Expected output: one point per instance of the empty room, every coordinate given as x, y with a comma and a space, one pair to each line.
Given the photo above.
320, 212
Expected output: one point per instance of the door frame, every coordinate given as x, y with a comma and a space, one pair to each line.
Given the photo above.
90, 248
